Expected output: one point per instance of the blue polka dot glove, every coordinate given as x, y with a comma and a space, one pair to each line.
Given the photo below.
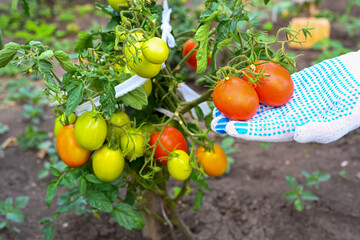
325, 106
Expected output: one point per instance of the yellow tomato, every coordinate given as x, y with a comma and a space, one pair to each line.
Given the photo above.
155, 50
108, 164
118, 118
148, 87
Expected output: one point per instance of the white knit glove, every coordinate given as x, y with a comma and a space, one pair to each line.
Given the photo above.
325, 106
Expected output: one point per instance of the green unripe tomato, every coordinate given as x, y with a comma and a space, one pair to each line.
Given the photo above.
90, 132
118, 118
108, 164
144, 68
179, 165
118, 4
148, 87
155, 50
133, 143
60, 121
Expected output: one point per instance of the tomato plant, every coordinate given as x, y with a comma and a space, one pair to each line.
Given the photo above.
275, 87
179, 165
108, 164
109, 56
236, 99
68, 149
170, 139
63, 121
213, 162
90, 131
192, 62
133, 143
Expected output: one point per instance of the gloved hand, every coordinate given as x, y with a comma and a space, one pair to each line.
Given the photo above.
325, 106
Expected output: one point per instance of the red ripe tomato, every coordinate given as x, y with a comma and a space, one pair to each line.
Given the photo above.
276, 87
236, 99
192, 62
69, 150
171, 139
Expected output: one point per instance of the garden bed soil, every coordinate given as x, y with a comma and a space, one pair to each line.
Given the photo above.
248, 203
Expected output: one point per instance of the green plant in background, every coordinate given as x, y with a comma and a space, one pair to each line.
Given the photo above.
227, 144
54, 161
343, 174
32, 138
315, 178
3, 128
33, 113
330, 48
11, 213
264, 145
297, 195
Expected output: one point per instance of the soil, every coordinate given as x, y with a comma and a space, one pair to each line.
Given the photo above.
245, 204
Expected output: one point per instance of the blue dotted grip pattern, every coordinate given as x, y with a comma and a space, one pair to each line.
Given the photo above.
323, 93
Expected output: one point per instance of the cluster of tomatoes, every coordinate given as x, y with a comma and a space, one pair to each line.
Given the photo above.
76, 141
238, 98
145, 57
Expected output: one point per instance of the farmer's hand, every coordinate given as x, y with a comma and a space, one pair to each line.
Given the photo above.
325, 106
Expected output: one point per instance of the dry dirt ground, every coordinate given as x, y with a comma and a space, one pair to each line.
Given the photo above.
245, 204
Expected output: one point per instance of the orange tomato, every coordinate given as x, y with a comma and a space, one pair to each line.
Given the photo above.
69, 150
214, 163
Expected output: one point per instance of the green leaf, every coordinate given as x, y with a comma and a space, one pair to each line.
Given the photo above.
15, 215
2, 224
136, 99
82, 186
84, 41
305, 174
55, 172
66, 182
8, 204
126, 216
324, 177
198, 199
227, 142
291, 195
92, 178
264, 145
291, 181
51, 192
299, 205
21, 201
25, 7
45, 68
1, 40
220, 41
7, 54
307, 195
46, 54
108, 100
343, 174
65, 61
43, 173
46, 219
75, 97
266, 1
49, 232
99, 201
202, 36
